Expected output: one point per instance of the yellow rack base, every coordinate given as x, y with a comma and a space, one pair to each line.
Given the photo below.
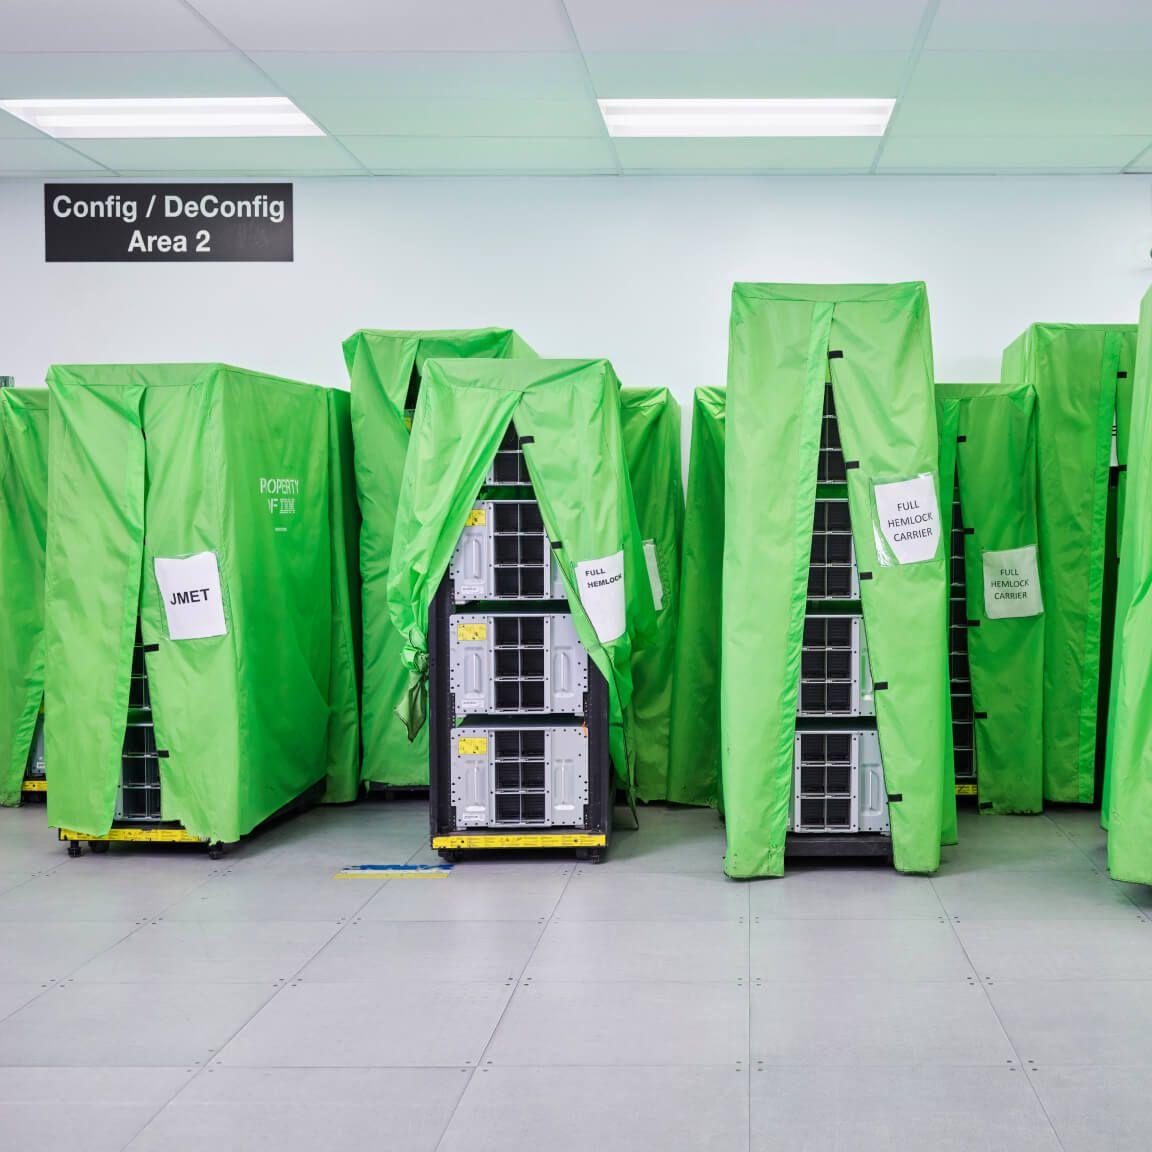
34, 786
534, 840
137, 835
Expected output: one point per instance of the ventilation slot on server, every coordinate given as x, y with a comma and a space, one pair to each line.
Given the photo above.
520, 551
519, 663
521, 778
830, 467
960, 682
831, 572
509, 467
825, 800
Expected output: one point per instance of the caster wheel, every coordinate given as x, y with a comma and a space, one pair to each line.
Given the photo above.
74, 848
589, 855
449, 855
215, 851
99, 847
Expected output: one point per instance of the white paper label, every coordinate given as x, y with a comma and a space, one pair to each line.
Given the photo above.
654, 574
909, 518
601, 587
190, 590
1012, 583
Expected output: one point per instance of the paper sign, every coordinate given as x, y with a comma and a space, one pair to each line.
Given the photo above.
654, 574
190, 591
1012, 583
601, 587
909, 517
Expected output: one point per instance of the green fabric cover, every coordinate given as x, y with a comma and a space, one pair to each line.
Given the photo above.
1129, 799
780, 340
650, 423
23, 508
694, 772
383, 367
580, 478
169, 461
1073, 369
343, 783
988, 439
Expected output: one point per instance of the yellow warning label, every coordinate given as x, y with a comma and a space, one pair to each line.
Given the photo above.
477, 518
472, 745
965, 789
34, 786
471, 631
558, 840
138, 835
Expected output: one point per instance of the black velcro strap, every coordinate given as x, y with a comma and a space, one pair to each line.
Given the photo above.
848, 464
1121, 467
527, 440
880, 686
151, 648
162, 755
979, 715
835, 354
865, 575
555, 545
1121, 375
961, 439
895, 797
971, 623
985, 806
968, 531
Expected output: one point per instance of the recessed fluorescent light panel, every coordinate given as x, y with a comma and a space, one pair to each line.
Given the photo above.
733, 118
133, 119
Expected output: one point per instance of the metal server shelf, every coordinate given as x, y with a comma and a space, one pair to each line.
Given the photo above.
522, 776
835, 676
838, 783
830, 467
959, 676
509, 468
504, 554
516, 662
832, 571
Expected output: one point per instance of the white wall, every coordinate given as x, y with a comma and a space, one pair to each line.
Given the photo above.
637, 270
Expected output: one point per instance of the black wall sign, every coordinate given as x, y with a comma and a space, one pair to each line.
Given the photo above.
196, 223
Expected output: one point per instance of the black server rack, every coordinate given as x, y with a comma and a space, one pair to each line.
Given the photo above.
517, 712
838, 805
959, 676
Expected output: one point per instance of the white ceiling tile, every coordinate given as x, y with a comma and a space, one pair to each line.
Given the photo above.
102, 26
1010, 153
1031, 25
391, 25
310, 154
41, 158
763, 155
466, 155
429, 94
1015, 94
111, 74
744, 25
746, 74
